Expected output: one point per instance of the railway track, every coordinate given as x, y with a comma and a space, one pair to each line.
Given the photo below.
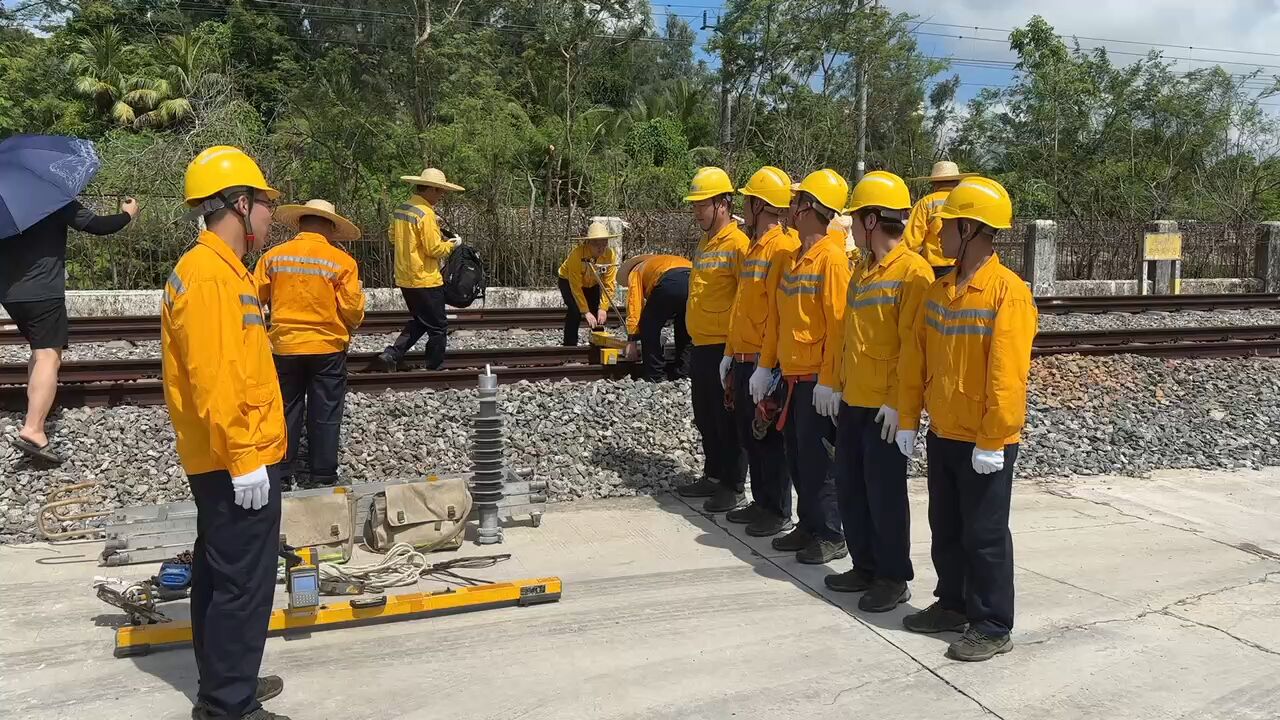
147, 327
136, 382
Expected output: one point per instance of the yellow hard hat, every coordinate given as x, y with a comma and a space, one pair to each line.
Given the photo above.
981, 199
221, 167
708, 183
828, 187
880, 189
771, 185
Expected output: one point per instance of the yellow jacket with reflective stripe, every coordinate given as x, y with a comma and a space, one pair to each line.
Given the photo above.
643, 278
765, 261
924, 228
313, 291
809, 306
420, 249
581, 269
713, 284
970, 358
879, 317
219, 379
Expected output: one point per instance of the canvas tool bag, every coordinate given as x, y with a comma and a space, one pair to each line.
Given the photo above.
325, 522
428, 515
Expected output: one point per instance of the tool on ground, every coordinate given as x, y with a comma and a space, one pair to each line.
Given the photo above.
65, 497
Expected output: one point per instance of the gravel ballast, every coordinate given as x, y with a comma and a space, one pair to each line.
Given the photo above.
1122, 415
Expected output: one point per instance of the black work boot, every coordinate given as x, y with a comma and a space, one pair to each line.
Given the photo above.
850, 581
201, 712
795, 540
768, 525
977, 646
821, 552
385, 362
884, 595
700, 488
263, 714
935, 619
746, 515
724, 500
268, 687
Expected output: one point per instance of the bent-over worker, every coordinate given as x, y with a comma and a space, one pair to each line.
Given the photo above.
925, 225
224, 401
768, 197
420, 251
879, 317
798, 339
658, 291
588, 277
973, 334
312, 288
712, 286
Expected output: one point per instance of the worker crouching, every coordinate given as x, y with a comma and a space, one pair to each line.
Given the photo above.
712, 287
968, 367
312, 288
802, 326
588, 278
224, 402
658, 293
871, 474
772, 249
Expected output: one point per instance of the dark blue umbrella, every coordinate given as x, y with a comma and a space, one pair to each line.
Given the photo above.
38, 175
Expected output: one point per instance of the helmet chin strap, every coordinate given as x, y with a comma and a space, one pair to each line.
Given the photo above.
964, 245
250, 238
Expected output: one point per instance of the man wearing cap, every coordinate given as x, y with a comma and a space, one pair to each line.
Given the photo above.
768, 197
924, 225
659, 293
870, 472
224, 402
420, 249
313, 290
588, 277
968, 367
712, 287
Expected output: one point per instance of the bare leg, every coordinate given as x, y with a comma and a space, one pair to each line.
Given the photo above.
42, 387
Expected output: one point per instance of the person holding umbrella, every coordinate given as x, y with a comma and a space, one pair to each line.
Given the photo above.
40, 177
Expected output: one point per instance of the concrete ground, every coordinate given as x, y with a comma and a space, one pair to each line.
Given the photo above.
1152, 598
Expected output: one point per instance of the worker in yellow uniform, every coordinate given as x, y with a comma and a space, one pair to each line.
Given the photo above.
924, 224
224, 401
768, 196
588, 278
871, 475
312, 288
968, 368
420, 250
799, 339
712, 287
658, 293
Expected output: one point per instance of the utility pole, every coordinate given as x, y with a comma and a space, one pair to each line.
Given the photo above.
726, 111
861, 167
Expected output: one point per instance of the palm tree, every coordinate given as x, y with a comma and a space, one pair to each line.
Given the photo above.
97, 66
181, 66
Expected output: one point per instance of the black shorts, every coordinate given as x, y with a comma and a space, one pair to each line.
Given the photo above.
42, 322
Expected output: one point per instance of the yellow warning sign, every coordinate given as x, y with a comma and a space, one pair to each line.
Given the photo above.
1162, 246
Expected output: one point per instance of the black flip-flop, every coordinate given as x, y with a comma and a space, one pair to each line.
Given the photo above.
37, 451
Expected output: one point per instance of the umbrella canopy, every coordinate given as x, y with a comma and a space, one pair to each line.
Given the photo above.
38, 175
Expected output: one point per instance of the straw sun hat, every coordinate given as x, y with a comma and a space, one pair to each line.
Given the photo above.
292, 215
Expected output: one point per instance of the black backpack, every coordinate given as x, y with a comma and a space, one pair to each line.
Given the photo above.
464, 277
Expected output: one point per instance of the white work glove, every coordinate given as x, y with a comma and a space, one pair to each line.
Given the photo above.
888, 417
906, 440
252, 490
758, 384
726, 362
456, 240
826, 401
986, 462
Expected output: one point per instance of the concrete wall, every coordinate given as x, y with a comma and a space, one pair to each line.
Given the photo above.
1130, 287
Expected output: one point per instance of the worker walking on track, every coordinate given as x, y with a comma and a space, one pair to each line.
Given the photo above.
924, 225
420, 250
659, 293
588, 278
312, 288
224, 401
712, 287
768, 196
871, 474
799, 339
973, 334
